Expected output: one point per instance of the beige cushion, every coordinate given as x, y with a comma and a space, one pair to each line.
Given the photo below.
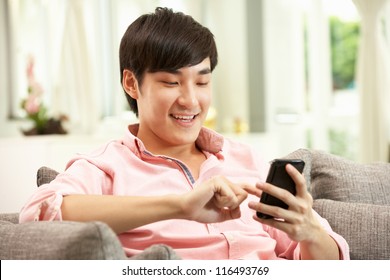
336, 178
366, 227
67, 241
157, 252
45, 175
59, 241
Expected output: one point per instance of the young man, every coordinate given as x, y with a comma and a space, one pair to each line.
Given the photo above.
172, 181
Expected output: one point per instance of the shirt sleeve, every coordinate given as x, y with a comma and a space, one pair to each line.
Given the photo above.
82, 177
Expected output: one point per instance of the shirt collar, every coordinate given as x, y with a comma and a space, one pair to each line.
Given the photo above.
208, 140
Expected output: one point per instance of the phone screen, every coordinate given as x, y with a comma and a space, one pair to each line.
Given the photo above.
279, 177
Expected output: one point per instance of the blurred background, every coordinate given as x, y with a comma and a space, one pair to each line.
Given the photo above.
291, 74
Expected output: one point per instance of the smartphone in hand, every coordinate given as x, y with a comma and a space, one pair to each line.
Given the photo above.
279, 177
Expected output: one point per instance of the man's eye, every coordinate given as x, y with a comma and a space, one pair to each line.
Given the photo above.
170, 83
202, 83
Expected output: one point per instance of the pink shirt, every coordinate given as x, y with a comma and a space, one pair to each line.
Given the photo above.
126, 168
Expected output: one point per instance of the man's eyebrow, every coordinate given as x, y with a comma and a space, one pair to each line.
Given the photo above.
204, 71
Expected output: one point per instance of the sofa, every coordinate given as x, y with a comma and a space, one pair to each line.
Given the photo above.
353, 197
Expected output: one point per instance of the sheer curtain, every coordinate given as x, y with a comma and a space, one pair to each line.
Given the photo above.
373, 82
75, 92
319, 69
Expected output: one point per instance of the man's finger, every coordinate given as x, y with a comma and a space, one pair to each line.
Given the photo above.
298, 178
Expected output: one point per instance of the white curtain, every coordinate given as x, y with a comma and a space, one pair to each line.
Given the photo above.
74, 93
373, 82
319, 73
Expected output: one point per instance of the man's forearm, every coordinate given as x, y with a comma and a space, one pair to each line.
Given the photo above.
121, 213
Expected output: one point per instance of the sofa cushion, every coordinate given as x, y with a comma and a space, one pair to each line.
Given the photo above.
332, 177
365, 227
45, 175
337, 178
10, 217
157, 252
58, 240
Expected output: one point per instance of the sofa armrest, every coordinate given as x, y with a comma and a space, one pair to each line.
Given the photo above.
58, 240
366, 227
10, 217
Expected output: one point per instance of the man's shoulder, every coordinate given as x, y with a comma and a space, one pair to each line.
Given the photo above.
106, 154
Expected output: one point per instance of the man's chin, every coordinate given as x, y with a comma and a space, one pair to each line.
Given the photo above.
187, 137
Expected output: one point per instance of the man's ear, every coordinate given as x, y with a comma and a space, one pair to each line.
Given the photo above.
130, 83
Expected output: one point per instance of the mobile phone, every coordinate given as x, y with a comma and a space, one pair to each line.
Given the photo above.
278, 176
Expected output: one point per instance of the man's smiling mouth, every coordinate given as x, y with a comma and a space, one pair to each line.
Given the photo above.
184, 118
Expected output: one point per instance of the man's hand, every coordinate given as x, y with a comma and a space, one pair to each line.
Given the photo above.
215, 200
298, 221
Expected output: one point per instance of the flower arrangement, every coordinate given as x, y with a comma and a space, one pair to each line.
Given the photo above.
36, 110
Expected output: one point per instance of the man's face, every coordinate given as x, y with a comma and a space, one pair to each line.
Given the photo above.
173, 105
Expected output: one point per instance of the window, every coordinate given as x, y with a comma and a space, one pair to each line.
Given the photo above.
344, 111
78, 67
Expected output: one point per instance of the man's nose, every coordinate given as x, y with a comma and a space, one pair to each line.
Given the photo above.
188, 97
